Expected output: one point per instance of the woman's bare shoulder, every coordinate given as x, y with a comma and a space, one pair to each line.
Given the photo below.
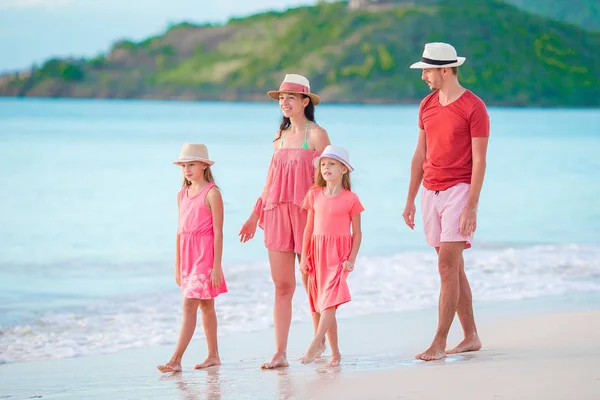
277, 139
319, 137
315, 128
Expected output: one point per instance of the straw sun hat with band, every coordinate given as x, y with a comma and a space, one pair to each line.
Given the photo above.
191, 152
294, 83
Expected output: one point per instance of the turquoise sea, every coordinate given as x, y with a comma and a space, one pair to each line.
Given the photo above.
88, 216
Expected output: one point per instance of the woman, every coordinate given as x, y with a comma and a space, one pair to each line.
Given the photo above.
278, 210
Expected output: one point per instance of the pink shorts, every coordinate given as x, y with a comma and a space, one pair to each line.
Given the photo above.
284, 227
441, 214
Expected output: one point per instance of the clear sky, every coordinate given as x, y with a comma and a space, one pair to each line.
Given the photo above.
32, 31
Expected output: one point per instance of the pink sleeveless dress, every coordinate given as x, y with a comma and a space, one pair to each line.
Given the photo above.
330, 245
196, 246
290, 176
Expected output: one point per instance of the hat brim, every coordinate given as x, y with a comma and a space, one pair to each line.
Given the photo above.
317, 160
185, 160
422, 65
274, 94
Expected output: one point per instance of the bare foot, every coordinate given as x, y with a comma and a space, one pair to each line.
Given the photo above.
209, 362
470, 344
435, 352
169, 367
335, 362
322, 350
278, 361
311, 354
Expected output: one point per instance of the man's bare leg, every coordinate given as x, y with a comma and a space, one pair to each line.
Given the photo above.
464, 310
449, 256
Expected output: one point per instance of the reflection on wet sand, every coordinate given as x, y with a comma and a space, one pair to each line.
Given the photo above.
245, 380
196, 385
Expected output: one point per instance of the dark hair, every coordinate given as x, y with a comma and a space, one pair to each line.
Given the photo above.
309, 113
454, 70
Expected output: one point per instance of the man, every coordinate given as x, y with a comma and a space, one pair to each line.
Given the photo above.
450, 159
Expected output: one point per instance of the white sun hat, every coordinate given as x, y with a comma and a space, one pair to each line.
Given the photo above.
337, 153
193, 152
439, 55
294, 83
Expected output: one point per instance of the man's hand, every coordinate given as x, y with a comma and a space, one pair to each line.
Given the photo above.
409, 215
468, 221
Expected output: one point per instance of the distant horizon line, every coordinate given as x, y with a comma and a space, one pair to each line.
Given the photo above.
260, 102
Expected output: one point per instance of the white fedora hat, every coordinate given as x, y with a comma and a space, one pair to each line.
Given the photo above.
336, 152
193, 152
439, 55
294, 83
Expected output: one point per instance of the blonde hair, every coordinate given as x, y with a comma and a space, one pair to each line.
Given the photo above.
321, 182
208, 176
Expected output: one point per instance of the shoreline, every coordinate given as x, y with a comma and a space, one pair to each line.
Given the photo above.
485, 312
378, 360
118, 317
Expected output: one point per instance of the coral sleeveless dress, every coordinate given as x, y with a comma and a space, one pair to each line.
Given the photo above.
282, 218
330, 245
197, 246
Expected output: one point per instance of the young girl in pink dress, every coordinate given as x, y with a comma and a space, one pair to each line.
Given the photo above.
198, 254
331, 241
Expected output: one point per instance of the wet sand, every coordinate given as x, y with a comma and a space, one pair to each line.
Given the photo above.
546, 348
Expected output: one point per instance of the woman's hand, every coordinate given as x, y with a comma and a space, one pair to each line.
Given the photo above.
249, 228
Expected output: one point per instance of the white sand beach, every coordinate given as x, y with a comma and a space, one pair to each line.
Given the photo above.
546, 348
549, 356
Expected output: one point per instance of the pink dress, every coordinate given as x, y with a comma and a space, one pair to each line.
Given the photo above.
330, 245
197, 247
290, 176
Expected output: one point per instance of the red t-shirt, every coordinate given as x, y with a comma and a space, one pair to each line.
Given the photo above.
448, 132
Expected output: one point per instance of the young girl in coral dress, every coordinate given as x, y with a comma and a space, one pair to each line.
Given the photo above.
331, 241
198, 254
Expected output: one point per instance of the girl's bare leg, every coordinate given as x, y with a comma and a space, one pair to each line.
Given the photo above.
188, 326
325, 322
209, 322
315, 315
332, 335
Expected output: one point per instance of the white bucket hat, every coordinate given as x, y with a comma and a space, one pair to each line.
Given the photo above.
294, 83
337, 153
439, 55
193, 152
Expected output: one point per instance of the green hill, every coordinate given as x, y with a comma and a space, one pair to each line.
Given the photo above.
513, 57
584, 13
